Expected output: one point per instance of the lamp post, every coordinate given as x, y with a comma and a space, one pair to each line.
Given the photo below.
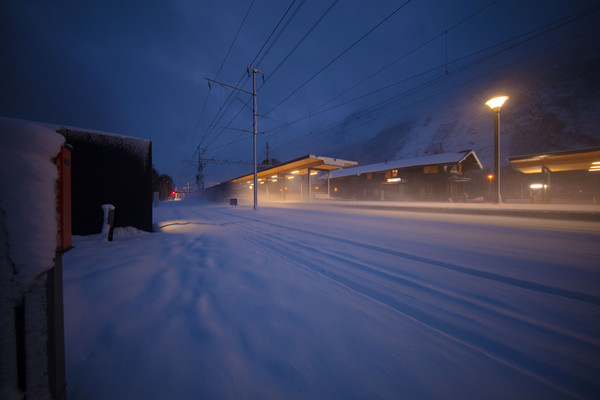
495, 104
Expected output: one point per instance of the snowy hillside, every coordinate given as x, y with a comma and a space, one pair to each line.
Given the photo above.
554, 105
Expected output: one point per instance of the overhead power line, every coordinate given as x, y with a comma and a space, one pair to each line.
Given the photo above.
235, 38
229, 101
303, 38
338, 56
525, 37
272, 32
384, 103
403, 56
287, 23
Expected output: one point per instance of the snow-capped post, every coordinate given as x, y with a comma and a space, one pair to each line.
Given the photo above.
109, 221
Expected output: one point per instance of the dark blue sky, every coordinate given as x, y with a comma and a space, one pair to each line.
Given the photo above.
137, 68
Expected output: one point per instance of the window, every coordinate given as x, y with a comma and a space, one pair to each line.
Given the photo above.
394, 173
431, 169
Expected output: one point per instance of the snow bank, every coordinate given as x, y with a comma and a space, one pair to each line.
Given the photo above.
28, 199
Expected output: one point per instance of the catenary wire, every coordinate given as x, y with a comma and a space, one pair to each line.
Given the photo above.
338, 56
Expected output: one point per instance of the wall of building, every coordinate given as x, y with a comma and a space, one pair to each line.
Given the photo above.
415, 185
109, 169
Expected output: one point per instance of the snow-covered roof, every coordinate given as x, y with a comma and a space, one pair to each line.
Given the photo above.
434, 159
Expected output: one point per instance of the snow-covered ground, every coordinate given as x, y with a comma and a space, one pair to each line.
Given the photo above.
284, 303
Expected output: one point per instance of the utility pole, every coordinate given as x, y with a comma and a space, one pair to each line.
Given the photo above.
269, 162
200, 176
254, 129
254, 115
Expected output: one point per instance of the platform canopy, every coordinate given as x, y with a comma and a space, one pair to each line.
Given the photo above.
299, 166
570, 160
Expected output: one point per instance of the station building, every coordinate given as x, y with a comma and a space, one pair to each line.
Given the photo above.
294, 180
437, 177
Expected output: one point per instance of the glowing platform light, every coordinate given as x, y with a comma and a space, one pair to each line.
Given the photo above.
390, 180
496, 102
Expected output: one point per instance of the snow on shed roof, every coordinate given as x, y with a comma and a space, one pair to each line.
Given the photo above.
434, 159
28, 200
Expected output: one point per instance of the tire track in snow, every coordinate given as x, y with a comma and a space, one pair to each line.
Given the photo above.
520, 283
421, 285
499, 351
493, 349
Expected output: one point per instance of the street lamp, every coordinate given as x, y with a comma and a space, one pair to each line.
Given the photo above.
495, 104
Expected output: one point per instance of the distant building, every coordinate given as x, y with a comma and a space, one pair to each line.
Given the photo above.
438, 177
569, 176
288, 181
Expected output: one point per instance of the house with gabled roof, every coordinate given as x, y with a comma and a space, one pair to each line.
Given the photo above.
436, 177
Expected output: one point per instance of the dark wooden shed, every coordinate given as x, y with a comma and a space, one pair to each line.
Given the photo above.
109, 169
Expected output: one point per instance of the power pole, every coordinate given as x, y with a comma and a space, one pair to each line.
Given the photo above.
254, 129
200, 176
268, 156
254, 115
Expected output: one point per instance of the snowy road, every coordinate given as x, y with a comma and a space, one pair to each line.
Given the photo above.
289, 303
